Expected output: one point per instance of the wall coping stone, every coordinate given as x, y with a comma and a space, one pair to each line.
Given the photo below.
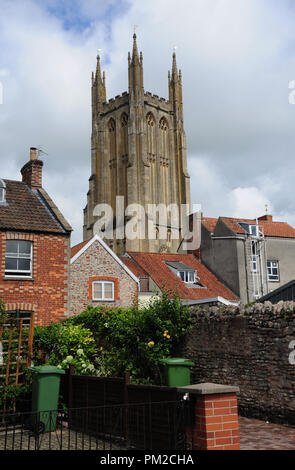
208, 389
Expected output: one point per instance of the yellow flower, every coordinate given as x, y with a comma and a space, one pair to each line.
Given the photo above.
151, 343
168, 336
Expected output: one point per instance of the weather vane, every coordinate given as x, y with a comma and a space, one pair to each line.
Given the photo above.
266, 208
134, 27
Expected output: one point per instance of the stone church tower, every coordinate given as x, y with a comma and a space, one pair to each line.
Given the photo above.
138, 151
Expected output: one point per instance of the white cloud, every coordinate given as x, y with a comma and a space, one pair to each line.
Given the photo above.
237, 59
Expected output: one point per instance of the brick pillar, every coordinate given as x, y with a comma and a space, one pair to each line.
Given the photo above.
215, 424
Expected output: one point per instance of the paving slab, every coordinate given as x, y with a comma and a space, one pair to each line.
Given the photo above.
261, 435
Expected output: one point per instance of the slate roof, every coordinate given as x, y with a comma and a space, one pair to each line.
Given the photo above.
155, 265
30, 210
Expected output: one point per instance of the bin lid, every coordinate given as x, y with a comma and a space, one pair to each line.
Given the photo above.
46, 370
177, 361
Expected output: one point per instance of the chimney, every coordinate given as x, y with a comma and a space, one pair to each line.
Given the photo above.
266, 218
32, 171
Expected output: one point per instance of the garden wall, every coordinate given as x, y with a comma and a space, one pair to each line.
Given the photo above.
248, 347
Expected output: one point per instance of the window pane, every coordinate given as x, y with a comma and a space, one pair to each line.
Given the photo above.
108, 290
97, 290
24, 247
11, 264
11, 246
191, 276
24, 264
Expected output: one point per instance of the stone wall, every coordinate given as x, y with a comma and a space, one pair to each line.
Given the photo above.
96, 263
248, 347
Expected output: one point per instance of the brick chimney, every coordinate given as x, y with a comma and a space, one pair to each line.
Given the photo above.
266, 218
32, 171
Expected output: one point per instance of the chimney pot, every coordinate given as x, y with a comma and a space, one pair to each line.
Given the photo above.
33, 153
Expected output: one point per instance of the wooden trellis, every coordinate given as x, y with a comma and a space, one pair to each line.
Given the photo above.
16, 343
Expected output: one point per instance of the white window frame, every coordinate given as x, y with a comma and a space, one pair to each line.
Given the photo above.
186, 276
253, 230
2, 191
28, 256
271, 267
102, 282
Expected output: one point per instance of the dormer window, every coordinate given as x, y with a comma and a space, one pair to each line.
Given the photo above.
2, 191
188, 277
251, 229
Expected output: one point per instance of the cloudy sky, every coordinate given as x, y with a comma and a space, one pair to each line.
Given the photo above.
237, 59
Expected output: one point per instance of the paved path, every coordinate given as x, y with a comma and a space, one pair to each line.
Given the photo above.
259, 435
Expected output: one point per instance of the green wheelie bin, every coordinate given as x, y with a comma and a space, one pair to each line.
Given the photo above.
177, 371
45, 393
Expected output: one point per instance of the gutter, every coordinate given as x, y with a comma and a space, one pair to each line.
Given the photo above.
209, 300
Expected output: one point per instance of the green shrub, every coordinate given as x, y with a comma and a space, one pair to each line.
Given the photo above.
64, 345
118, 340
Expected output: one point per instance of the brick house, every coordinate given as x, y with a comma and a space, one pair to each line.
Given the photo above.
181, 273
34, 247
99, 277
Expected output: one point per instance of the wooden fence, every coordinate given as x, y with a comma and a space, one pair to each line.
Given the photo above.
149, 415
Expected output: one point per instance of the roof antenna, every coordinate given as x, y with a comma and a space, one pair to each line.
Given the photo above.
40, 151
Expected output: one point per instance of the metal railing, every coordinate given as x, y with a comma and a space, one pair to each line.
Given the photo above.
153, 426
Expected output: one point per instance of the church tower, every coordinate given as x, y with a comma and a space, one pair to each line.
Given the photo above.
138, 152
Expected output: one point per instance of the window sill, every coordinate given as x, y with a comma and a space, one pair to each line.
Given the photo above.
18, 278
103, 300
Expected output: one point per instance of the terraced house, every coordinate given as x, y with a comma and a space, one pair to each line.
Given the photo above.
251, 256
34, 248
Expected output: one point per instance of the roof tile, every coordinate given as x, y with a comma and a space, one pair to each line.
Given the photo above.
154, 265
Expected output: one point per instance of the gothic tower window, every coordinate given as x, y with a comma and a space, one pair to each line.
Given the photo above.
112, 138
124, 135
151, 134
124, 156
164, 142
112, 161
164, 160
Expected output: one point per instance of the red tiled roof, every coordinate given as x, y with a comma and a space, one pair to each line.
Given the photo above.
75, 249
161, 274
29, 210
270, 228
209, 223
133, 266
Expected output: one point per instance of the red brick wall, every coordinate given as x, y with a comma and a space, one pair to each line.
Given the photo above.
216, 422
47, 292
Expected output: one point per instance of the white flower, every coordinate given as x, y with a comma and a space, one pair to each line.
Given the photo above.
106, 325
80, 352
69, 358
83, 366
